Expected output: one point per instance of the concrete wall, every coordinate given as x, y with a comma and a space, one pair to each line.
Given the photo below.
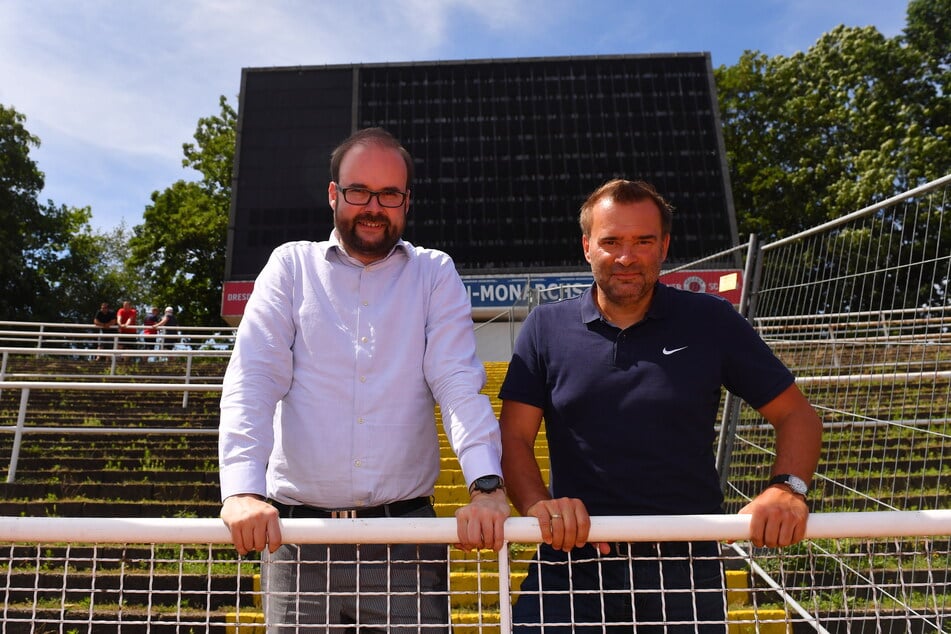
494, 340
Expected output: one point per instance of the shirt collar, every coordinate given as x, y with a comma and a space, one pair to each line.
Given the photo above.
589, 310
659, 308
334, 245
661, 303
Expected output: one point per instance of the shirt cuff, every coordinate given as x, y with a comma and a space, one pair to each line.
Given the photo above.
480, 461
241, 479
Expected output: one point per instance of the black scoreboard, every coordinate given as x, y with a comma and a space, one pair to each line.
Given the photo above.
505, 152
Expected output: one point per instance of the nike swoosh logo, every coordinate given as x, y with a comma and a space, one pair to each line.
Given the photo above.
670, 352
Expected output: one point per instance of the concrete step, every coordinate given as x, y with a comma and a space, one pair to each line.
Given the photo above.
154, 490
110, 508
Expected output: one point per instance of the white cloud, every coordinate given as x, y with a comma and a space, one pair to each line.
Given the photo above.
88, 77
113, 89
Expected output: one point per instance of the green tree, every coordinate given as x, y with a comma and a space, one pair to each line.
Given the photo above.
928, 32
38, 271
94, 269
855, 119
213, 156
852, 121
179, 251
21, 216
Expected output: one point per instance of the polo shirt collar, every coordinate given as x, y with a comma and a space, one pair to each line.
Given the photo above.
589, 310
660, 304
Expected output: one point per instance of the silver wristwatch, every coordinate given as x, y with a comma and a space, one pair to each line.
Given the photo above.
795, 483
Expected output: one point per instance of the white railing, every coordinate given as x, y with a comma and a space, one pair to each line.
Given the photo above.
86, 337
49, 558
26, 382
115, 357
424, 530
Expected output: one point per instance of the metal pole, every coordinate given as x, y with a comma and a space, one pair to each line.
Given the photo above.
188, 376
3, 368
505, 590
731, 404
18, 436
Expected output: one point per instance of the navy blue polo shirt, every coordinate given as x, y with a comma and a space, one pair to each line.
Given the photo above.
630, 414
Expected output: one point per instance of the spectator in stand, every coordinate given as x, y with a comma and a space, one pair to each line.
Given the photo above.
105, 321
166, 326
126, 317
150, 329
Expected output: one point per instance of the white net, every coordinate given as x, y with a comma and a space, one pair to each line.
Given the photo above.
860, 310
831, 582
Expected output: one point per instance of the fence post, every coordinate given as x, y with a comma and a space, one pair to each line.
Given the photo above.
188, 376
18, 435
3, 368
836, 358
731, 404
751, 278
505, 589
725, 442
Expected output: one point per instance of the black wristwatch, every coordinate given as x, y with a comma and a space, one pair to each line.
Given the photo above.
486, 484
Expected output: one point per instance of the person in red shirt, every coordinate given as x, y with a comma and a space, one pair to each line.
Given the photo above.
126, 317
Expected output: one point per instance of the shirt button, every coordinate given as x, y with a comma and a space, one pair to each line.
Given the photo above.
363, 339
361, 420
357, 463
366, 303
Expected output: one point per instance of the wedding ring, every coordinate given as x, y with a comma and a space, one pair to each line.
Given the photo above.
555, 516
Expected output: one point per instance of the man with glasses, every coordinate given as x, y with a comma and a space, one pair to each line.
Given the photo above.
327, 407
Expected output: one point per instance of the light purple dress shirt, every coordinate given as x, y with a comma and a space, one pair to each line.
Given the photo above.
328, 398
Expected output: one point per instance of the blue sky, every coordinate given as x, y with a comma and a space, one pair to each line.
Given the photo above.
113, 89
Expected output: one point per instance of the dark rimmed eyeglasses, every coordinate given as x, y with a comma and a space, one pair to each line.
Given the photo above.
362, 196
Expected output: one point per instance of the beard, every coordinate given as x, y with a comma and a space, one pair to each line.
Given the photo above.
377, 247
628, 292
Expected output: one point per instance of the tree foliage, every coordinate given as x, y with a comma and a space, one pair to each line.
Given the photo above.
95, 269
855, 119
43, 276
20, 214
179, 251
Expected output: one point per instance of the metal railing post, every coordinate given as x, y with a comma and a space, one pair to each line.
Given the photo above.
505, 589
18, 435
3, 368
731, 403
188, 380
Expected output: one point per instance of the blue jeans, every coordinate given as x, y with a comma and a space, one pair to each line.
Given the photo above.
661, 587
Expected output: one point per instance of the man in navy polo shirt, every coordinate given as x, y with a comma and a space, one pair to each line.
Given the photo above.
628, 379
